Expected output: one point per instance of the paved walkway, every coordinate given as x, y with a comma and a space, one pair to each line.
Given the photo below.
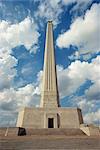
50, 142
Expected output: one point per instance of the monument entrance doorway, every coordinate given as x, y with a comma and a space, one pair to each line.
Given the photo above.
50, 122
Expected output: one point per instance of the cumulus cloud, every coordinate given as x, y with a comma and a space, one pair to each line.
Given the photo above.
7, 71
11, 35
49, 10
85, 105
93, 117
93, 93
23, 96
8, 118
90, 109
11, 99
79, 6
83, 32
71, 78
78, 2
13, 12
23, 33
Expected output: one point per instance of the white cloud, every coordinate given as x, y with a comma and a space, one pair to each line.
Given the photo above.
12, 99
74, 56
78, 56
7, 71
49, 10
27, 70
83, 32
85, 105
93, 117
88, 107
79, 6
52, 9
71, 78
23, 33
11, 35
93, 93
67, 2
13, 12
8, 118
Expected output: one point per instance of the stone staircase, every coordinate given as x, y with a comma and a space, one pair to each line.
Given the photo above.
56, 132
49, 142
46, 139
15, 131
3, 131
12, 131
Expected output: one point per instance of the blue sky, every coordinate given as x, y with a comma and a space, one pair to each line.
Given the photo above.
77, 46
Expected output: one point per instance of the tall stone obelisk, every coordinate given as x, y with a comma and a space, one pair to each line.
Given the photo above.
50, 115
49, 91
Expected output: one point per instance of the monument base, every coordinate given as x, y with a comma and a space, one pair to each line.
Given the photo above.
90, 130
12, 131
38, 118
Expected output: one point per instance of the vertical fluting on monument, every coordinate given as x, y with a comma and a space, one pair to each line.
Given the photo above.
49, 90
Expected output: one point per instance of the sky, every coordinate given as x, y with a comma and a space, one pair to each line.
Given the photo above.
76, 25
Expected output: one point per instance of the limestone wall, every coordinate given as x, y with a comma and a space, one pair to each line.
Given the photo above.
70, 118
33, 118
20, 118
38, 117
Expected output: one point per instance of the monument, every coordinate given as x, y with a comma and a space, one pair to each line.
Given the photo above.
50, 118
49, 114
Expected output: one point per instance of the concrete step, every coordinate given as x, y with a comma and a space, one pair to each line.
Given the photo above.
12, 131
48, 142
3, 131
15, 131
58, 131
